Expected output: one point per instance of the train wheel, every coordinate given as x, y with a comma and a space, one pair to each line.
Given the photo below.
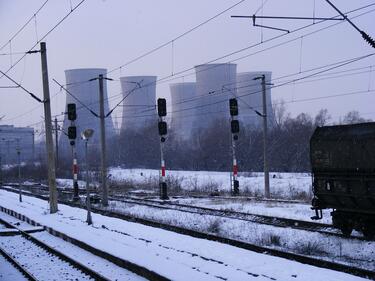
368, 231
346, 229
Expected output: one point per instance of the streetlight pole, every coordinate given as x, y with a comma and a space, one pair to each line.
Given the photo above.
86, 135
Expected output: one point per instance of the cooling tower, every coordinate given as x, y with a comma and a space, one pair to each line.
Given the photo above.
215, 84
88, 93
139, 105
183, 97
250, 96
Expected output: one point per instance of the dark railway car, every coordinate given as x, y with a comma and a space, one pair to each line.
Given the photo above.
343, 169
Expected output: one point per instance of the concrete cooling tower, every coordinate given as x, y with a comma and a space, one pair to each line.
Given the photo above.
251, 92
88, 94
139, 106
183, 97
214, 83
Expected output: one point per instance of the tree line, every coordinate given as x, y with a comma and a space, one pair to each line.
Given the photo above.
288, 148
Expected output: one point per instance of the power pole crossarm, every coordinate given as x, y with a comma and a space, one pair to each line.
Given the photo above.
48, 128
365, 36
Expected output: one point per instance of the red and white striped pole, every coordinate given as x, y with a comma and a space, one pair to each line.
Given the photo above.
235, 187
162, 126
235, 129
75, 173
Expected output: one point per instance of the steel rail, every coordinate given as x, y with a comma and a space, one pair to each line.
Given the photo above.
357, 271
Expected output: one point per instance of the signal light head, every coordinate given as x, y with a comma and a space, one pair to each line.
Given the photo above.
72, 132
72, 114
235, 126
162, 107
162, 126
233, 107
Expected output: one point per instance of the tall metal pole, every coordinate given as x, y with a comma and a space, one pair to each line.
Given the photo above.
18, 149
103, 144
88, 203
56, 145
48, 129
265, 142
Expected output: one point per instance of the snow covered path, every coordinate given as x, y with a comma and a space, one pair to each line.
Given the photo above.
175, 256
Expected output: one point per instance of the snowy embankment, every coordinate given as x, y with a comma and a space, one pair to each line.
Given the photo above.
283, 185
175, 256
336, 249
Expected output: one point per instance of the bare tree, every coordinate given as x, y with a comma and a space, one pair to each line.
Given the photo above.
353, 117
322, 118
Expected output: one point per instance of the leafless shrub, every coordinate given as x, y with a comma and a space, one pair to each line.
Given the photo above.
214, 226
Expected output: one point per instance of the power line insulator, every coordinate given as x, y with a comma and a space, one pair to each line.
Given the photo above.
368, 39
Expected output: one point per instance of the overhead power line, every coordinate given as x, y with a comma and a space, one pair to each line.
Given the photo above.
23, 88
365, 36
23, 26
74, 97
177, 37
45, 35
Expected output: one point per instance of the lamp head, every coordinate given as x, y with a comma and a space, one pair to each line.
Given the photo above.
87, 134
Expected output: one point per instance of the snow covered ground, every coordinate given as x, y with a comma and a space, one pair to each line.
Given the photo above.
102, 266
8, 272
359, 253
283, 185
175, 256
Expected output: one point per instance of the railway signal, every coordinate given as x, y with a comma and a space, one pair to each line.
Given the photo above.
162, 126
72, 113
72, 134
235, 129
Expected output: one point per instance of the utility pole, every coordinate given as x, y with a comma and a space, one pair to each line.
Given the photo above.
48, 128
103, 144
265, 140
265, 137
56, 145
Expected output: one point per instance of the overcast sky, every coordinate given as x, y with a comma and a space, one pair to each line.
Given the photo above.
108, 33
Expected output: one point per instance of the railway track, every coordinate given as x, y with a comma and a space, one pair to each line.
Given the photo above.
326, 229
38, 261
357, 271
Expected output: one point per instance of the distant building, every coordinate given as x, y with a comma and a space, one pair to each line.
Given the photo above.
87, 92
215, 85
13, 139
139, 109
183, 96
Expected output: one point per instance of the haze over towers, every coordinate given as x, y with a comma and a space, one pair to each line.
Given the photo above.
193, 105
